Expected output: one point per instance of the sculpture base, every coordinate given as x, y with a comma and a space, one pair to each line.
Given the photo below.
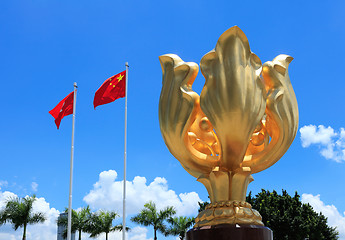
230, 232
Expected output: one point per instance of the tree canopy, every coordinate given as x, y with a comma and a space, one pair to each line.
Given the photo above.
80, 221
151, 216
289, 218
18, 211
179, 226
102, 222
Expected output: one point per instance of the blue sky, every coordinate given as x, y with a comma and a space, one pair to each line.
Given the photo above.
45, 46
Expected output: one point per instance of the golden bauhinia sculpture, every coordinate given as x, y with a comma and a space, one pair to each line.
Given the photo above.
242, 123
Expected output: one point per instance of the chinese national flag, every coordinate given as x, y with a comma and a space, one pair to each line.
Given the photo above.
64, 108
112, 89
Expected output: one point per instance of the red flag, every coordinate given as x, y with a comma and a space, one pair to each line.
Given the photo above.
64, 108
112, 89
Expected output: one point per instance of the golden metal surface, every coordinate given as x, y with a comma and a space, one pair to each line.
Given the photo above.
242, 123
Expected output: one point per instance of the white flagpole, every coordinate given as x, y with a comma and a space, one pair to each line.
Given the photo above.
125, 163
69, 224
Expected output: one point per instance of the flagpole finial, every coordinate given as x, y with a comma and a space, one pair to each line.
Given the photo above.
75, 84
127, 64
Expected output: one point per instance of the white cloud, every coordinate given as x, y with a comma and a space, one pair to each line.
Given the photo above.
335, 219
3, 184
7, 236
34, 186
4, 196
138, 233
41, 231
107, 194
112, 235
330, 143
321, 135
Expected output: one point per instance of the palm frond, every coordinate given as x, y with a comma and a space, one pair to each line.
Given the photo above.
80, 220
37, 218
150, 216
179, 226
102, 222
18, 212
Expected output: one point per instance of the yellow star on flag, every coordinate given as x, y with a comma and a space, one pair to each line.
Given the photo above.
120, 77
112, 89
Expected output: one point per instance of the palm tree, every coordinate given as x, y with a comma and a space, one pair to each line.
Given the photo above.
18, 211
150, 216
80, 221
102, 222
179, 226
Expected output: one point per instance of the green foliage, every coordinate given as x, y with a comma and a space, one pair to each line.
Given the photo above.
102, 222
289, 218
179, 226
18, 212
202, 206
2, 219
80, 221
93, 223
149, 216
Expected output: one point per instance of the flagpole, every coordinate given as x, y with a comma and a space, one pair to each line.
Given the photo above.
125, 163
69, 224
